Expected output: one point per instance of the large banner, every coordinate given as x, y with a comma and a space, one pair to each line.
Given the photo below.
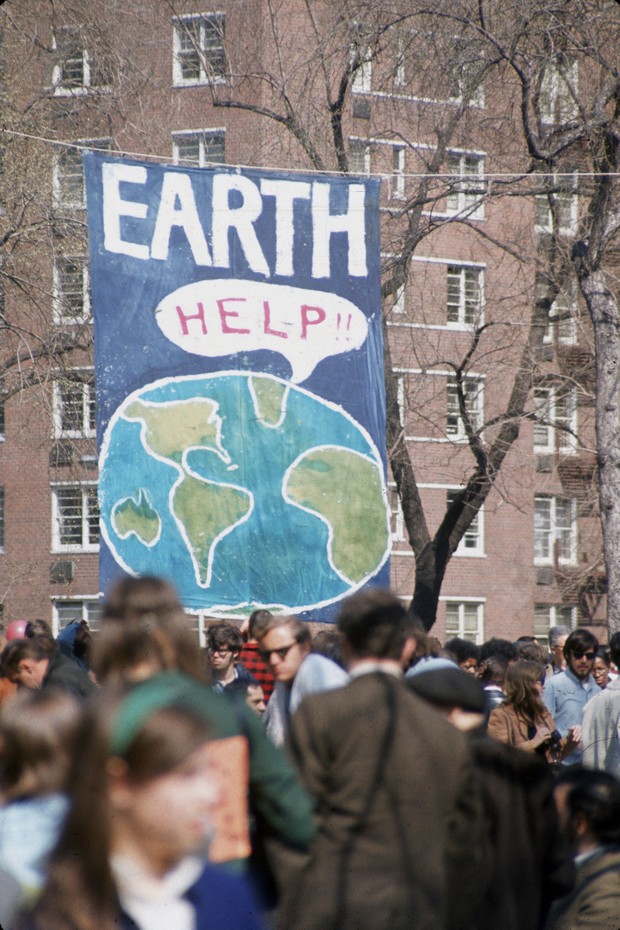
239, 376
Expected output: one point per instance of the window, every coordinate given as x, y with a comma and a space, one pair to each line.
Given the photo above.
74, 406
198, 149
472, 542
466, 86
1, 519
359, 156
361, 53
555, 529
399, 305
465, 619
465, 186
464, 295
65, 611
69, 173
555, 409
558, 210
398, 172
71, 297
75, 514
548, 615
472, 391
397, 520
556, 100
563, 315
199, 56
75, 71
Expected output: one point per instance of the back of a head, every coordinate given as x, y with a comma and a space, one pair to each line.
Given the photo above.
38, 730
126, 649
255, 619
493, 671
596, 796
130, 598
375, 624
499, 648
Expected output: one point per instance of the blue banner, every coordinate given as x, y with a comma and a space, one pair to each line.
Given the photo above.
239, 377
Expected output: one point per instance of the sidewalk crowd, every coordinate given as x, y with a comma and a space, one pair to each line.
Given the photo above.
368, 777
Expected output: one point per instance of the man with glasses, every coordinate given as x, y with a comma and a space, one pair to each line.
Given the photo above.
284, 644
567, 694
224, 642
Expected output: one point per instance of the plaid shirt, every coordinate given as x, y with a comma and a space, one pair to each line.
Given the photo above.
254, 664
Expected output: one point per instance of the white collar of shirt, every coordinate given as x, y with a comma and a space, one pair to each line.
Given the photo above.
390, 666
156, 903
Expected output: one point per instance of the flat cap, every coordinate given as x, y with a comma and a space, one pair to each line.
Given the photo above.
449, 687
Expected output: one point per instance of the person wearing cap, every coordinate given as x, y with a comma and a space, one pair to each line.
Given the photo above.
397, 812
530, 864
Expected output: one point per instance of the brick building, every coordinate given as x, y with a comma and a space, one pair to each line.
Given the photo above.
180, 83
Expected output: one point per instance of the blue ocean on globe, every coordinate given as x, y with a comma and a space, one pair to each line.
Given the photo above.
245, 490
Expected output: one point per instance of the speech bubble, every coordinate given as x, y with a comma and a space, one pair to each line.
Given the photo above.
226, 316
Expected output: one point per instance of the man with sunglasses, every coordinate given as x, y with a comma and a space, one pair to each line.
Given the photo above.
567, 694
284, 644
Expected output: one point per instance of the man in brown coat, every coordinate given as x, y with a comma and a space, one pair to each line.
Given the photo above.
397, 808
589, 808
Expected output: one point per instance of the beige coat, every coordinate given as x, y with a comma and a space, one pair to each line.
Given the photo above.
509, 727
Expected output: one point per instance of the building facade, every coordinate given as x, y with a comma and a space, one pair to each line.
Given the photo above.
434, 117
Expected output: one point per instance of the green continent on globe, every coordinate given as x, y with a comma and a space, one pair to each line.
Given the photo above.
207, 511
174, 428
346, 490
269, 399
136, 516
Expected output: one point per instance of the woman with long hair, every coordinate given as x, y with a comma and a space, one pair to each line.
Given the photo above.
132, 854
524, 721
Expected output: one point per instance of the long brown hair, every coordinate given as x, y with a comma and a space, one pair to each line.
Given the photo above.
37, 740
521, 689
144, 623
80, 893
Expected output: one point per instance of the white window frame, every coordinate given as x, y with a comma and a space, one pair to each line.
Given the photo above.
85, 607
207, 22
548, 615
61, 295
556, 103
83, 382
466, 198
201, 137
64, 180
465, 606
555, 529
361, 82
474, 401
78, 53
466, 310
477, 98
555, 404
567, 209
400, 300
472, 543
85, 493
398, 173
397, 519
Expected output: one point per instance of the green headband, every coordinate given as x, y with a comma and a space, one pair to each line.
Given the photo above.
166, 689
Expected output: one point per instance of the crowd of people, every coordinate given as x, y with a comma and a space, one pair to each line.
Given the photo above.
368, 777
